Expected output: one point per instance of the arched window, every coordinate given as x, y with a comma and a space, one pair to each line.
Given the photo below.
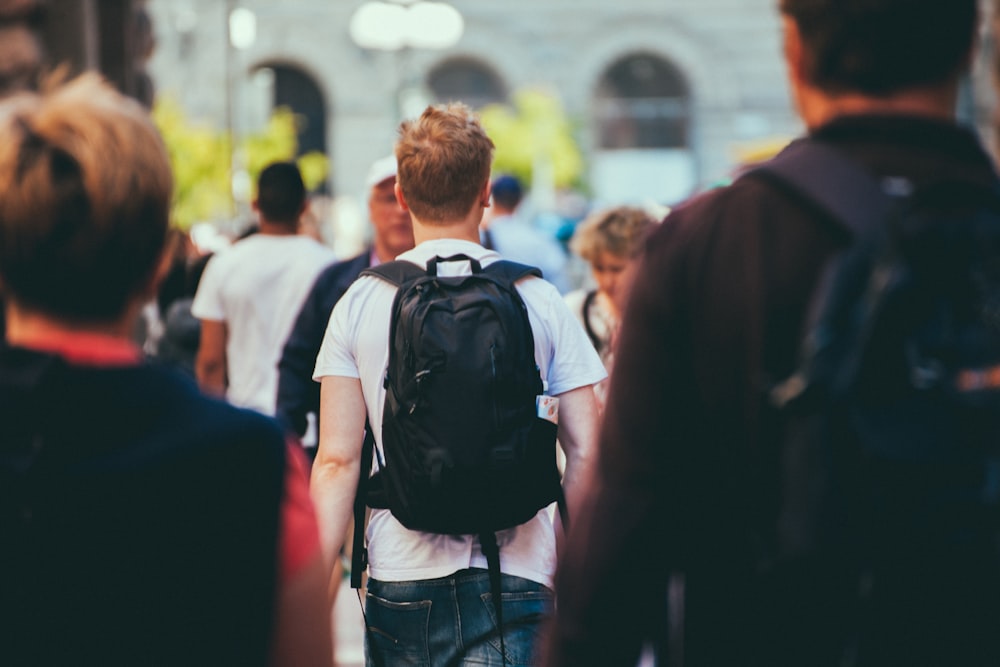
290, 87
642, 125
296, 90
643, 102
466, 80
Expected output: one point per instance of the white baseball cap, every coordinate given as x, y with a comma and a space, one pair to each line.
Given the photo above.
382, 169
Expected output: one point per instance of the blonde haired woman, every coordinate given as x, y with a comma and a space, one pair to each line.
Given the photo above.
609, 241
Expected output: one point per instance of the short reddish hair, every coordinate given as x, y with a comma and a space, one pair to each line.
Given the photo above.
444, 160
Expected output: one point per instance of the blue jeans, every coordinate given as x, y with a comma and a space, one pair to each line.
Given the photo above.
432, 622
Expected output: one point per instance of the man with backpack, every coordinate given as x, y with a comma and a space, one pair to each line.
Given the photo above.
799, 451
460, 364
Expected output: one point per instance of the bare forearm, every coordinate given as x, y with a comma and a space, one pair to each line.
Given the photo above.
211, 377
578, 425
333, 487
210, 365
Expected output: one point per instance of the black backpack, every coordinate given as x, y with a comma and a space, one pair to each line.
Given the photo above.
891, 454
465, 450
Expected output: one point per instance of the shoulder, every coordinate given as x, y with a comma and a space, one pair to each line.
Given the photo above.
236, 255
538, 290
574, 300
347, 269
313, 245
721, 216
340, 274
361, 293
182, 427
208, 414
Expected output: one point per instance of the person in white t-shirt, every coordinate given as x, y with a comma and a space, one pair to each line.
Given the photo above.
251, 292
428, 593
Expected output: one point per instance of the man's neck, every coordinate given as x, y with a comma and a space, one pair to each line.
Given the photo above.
277, 228
819, 108
24, 326
460, 230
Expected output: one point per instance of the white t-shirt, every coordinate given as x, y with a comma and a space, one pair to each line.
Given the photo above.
356, 345
257, 287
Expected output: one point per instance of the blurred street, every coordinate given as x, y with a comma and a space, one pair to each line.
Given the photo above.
349, 629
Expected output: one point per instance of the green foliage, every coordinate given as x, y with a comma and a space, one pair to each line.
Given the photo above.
200, 156
535, 130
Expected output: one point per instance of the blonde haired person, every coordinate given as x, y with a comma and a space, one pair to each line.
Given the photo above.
143, 523
429, 594
608, 240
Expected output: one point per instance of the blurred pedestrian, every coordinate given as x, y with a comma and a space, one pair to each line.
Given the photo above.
505, 230
143, 523
178, 345
298, 394
608, 241
696, 491
251, 292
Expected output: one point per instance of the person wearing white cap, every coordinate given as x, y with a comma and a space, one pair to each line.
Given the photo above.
298, 394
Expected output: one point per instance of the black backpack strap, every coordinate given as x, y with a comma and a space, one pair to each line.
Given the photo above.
512, 271
853, 198
488, 543
588, 305
359, 553
831, 180
396, 272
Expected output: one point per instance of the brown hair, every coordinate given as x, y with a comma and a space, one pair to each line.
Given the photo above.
444, 160
86, 189
618, 231
880, 47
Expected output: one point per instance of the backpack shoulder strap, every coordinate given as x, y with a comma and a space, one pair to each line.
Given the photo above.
588, 306
397, 272
359, 553
831, 180
511, 271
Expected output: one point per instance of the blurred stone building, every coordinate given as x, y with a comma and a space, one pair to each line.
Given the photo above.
665, 93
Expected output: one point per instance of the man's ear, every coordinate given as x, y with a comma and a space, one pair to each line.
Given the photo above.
485, 197
399, 197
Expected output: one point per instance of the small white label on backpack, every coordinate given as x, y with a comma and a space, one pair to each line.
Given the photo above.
548, 408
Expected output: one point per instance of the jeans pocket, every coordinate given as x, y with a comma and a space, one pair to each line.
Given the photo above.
523, 613
397, 631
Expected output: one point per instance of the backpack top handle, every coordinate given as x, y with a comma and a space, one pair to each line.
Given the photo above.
432, 264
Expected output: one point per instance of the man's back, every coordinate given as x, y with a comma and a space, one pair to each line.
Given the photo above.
358, 344
734, 273
144, 522
257, 287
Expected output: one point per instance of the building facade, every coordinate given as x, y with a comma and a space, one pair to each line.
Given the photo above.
666, 94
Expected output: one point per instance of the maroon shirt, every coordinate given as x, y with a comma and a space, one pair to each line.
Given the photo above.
688, 451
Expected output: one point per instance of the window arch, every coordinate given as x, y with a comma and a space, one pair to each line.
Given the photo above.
289, 86
642, 101
466, 80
